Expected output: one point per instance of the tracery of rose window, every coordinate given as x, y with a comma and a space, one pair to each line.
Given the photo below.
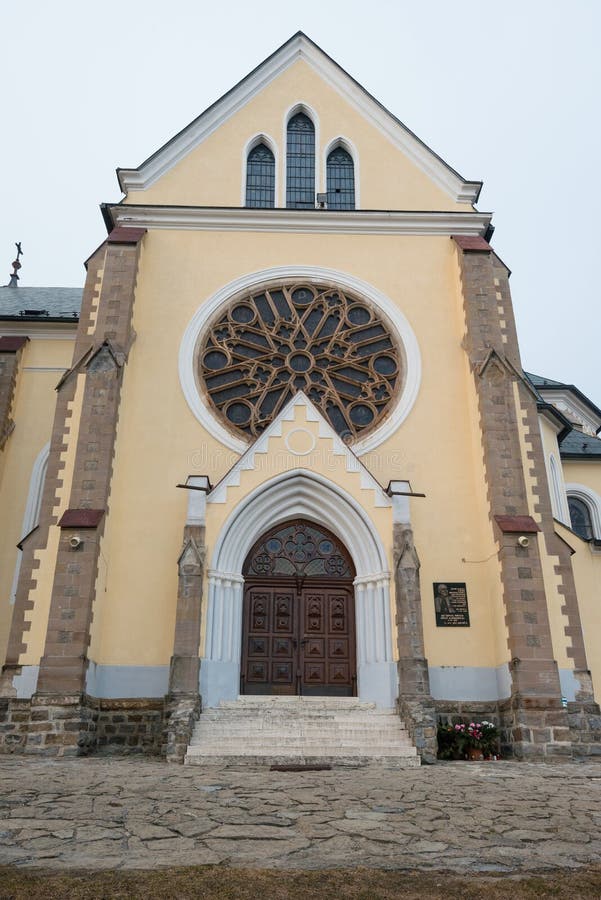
321, 340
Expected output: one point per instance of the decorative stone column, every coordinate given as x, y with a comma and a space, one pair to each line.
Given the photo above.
416, 706
535, 722
183, 702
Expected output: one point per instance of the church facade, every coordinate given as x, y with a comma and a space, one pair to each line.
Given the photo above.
283, 444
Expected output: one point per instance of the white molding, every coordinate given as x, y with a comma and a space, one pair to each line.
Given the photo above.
350, 148
291, 495
261, 138
44, 368
302, 221
573, 409
559, 503
32, 508
274, 429
592, 500
300, 107
299, 47
300, 493
312, 274
57, 331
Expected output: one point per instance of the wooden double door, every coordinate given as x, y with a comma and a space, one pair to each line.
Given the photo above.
299, 637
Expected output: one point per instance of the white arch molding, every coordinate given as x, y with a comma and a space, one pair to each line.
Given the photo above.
298, 494
350, 148
299, 107
261, 138
591, 500
266, 278
31, 516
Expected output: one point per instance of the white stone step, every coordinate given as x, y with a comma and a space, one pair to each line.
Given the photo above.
257, 730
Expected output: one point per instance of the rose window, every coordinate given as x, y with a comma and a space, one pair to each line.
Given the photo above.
320, 340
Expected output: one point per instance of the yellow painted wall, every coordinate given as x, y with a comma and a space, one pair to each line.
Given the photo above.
42, 363
160, 442
587, 473
586, 563
212, 173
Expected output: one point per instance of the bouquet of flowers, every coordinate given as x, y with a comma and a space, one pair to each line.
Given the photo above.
456, 741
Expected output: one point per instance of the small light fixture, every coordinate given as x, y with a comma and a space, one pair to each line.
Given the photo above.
523, 541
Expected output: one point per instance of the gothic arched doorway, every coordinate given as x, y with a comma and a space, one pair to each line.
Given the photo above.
298, 631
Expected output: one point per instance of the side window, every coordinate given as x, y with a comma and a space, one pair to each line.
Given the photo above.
340, 179
580, 517
300, 163
260, 177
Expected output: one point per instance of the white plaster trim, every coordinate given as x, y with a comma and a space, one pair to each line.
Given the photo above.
57, 331
302, 221
32, 508
312, 274
573, 408
350, 148
299, 48
299, 494
43, 368
266, 139
274, 429
300, 107
477, 683
591, 499
559, 503
26, 682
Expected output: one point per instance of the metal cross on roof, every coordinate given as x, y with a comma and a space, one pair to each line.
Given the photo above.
14, 278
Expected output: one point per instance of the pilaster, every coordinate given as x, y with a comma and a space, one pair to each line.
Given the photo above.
416, 705
103, 342
535, 722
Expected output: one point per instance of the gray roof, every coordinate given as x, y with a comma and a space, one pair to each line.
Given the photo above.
577, 445
541, 381
47, 302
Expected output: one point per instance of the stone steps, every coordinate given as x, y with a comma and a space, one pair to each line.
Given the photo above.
339, 731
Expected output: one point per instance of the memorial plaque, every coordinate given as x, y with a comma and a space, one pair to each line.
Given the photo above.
450, 604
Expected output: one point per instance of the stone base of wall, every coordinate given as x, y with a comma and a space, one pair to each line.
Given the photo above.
181, 715
14, 724
584, 721
419, 717
64, 725
61, 725
535, 728
451, 712
130, 726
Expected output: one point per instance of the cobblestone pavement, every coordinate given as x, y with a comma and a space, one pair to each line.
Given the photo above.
135, 813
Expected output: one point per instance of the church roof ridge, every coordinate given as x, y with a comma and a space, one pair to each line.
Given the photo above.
299, 45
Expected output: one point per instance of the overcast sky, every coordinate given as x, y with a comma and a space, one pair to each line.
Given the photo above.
506, 92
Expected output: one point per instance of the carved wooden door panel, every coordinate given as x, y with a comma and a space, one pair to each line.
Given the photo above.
328, 642
299, 640
270, 640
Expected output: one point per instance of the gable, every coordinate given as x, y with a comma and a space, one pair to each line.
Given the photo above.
204, 164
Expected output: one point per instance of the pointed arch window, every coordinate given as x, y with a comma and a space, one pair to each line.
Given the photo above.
580, 517
340, 179
300, 163
260, 177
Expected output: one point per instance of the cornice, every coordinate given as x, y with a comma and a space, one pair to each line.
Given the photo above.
300, 47
572, 408
319, 221
40, 331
